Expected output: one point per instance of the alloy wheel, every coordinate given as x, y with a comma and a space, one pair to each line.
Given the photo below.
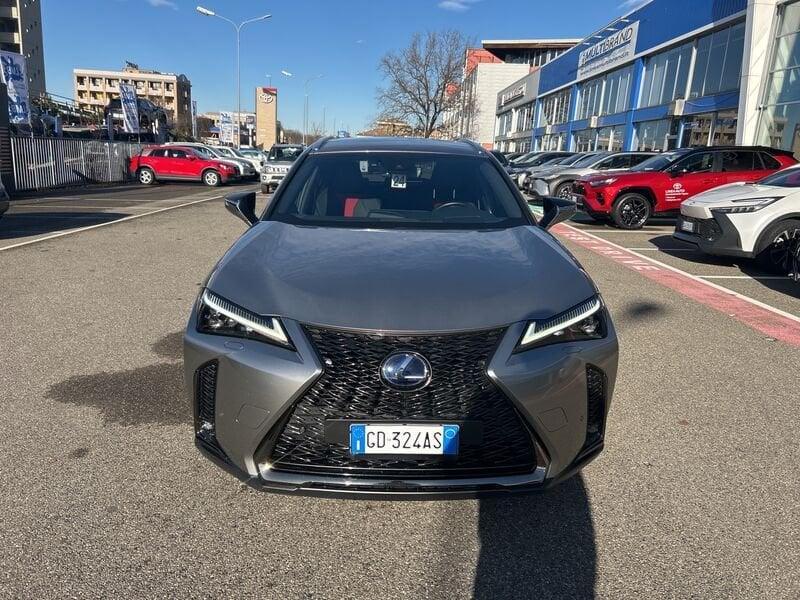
784, 252
211, 178
634, 212
145, 177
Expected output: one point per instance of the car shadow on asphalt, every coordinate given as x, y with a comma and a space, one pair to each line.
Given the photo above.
668, 245
537, 546
23, 224
150, 395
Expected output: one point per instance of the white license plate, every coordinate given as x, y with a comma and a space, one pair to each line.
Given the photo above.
687, 226
404, 439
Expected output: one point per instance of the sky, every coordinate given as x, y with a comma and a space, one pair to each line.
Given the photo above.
343, 40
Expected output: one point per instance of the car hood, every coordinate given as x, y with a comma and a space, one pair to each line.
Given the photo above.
735, 191
400, 280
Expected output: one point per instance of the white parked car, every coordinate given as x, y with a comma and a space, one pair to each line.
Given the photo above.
233, 153
758, 220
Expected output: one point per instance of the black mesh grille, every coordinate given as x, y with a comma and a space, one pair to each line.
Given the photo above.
350, 388
577, 188
206, 400
596, 405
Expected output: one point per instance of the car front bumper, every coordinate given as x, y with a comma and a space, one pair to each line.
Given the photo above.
716, 236
257, 386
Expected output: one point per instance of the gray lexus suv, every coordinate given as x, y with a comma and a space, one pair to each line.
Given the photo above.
398, 323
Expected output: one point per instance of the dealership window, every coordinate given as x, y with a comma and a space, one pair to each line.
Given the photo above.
611, 138
555, 108
617, 92
584, 140
657, 136
718, 65
589, 99
524, 117
551, 143
779, 121
666, 75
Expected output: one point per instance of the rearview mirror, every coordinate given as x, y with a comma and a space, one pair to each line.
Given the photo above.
556, 210
243, 205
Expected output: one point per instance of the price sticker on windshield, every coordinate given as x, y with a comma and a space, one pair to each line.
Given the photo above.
399, 181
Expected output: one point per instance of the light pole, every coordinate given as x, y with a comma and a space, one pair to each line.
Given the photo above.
269, 80
308, 83
238, 27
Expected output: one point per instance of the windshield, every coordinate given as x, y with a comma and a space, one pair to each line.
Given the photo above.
221, 151
524, 157
402, 189
204, 152
589, 159
789, 178
235, 152
660, 162
285, 153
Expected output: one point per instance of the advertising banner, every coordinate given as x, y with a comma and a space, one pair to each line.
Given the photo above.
226, 131
616, 49
130, 107
16, 80
194, 119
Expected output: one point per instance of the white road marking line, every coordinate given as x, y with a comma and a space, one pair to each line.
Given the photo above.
122, 220
614, 231
752, 301
756, 277
651, 248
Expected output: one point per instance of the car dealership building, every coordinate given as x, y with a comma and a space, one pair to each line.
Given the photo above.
673, 73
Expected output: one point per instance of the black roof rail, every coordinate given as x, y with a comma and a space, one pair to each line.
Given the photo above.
321, 142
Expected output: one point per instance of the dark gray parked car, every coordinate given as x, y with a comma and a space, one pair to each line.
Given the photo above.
397, 322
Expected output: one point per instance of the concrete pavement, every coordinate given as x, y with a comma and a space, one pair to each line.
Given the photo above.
104, 493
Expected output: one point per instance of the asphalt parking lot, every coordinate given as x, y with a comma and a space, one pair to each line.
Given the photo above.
104, 493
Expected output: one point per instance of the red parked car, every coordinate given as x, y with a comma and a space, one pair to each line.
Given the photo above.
179, 163
661, 183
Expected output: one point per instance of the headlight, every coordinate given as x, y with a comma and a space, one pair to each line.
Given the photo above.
603, 182
746, 205
583, 322
218, 316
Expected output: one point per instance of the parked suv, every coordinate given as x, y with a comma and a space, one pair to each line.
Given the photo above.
660, 184
179, 163
760, 221
559, 183
279, 161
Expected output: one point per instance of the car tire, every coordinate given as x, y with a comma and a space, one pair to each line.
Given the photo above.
563, 190
146, 176
778, 251
211, 178
631, 211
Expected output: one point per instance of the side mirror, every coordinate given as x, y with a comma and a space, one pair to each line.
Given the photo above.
556, 210
677, 172
243, 205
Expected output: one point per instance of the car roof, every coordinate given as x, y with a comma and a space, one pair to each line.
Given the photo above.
397, 144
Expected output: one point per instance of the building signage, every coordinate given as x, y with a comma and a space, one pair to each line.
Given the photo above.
617, 48
513, 94
130, 107
16, 80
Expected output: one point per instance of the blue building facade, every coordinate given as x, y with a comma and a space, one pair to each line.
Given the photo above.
664, 76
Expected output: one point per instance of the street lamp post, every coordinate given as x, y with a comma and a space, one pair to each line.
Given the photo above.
238, 27
308, 83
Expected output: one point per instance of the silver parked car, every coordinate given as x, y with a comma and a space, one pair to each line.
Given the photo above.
559, 183
396, 322
280, 159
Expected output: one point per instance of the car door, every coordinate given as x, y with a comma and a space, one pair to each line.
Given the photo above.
741, 165
178, 163
155, 160
694, 174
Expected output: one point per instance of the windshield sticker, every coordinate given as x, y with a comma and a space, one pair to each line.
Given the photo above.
398, 181
364, 166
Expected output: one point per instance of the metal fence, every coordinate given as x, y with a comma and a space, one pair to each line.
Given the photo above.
42, 163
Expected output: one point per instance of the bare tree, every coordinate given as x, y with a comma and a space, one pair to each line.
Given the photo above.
423, 80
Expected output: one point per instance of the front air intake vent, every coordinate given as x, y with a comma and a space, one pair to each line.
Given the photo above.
595, 406
205, 408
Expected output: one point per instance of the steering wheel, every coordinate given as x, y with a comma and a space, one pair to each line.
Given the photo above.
453, 204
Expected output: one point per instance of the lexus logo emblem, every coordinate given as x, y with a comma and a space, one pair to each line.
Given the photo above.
406, 371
